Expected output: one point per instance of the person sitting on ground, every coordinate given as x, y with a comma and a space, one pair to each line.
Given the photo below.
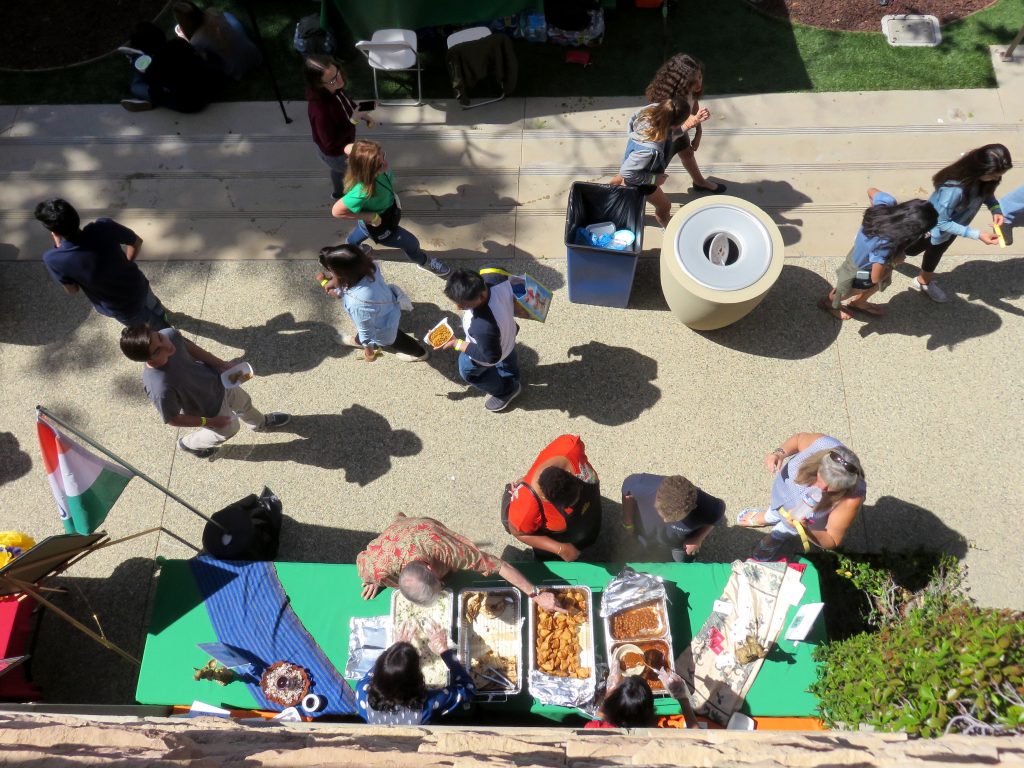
167, 73
629, 702
183, 381
91, 260
818, 490
488, 360
887, 229
395, 693
414, 555
556, 507
669, 515
218, 36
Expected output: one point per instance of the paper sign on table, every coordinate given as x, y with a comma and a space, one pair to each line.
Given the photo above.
801, 625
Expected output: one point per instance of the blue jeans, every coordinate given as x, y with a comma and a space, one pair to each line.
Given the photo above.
399, 238
337, 166
499, 380
152, 313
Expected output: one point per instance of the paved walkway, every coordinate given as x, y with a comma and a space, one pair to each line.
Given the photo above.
232, 205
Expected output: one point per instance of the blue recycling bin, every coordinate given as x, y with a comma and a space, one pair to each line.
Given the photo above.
602, 276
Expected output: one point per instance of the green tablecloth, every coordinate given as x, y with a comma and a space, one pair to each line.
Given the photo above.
324, 597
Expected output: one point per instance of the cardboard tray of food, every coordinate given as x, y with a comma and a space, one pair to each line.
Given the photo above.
579, 665
490, 630
646, 626
435, 672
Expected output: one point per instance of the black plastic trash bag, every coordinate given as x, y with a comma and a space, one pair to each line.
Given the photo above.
253, 529
594, 203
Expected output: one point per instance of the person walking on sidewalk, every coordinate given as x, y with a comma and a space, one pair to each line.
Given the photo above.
887, 229
1012, 206
90, 259
487, 356
183, 382
369, 198
817, 491
333, 115
681, 78
370, 302
960, 190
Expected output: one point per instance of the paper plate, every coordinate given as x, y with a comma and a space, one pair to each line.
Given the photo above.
242, 368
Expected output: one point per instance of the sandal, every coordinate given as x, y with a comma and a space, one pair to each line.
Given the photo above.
747, 514
839, 314
718, 190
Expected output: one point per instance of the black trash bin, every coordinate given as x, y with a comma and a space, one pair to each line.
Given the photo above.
602, 276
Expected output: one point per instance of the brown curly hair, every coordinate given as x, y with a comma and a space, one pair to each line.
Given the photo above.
674, 79
675, 498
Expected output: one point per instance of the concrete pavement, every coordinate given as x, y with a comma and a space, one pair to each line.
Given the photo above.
232, 204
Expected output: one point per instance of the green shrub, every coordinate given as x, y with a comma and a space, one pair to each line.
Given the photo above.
937, 664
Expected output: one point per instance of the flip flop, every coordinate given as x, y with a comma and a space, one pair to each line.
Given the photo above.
873, 311
719, 189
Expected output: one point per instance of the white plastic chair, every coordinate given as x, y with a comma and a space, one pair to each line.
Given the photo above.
393, 50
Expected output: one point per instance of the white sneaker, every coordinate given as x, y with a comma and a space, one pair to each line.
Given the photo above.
931, 290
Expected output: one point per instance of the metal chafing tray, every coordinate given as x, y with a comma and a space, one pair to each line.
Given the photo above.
442, 614
644, 640
587, 645
500, 635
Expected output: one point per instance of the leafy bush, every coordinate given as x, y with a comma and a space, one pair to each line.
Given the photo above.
937, 664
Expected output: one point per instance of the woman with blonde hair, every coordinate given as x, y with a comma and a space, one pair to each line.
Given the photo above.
369, 199
818, 490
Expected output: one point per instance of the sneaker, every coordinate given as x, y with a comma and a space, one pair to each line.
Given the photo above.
412, 358
496, 404
931, 290
436, 268
346, 340
137, 105
366, 248
275, 419
199, 453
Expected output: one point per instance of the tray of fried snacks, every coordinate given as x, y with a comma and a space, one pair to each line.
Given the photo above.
490, 621
440, 334
656, 654
435, 671
561, 645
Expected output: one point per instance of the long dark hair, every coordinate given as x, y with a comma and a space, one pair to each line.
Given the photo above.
630, 705
348, 263
900, 225
397, 680
674, 79
966, 172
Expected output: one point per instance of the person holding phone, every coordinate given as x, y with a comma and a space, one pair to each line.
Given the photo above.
333, 115
886, 231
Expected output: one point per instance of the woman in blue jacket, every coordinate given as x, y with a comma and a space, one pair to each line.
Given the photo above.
372, 304
960, 190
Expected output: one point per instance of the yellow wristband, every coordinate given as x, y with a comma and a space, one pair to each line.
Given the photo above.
202, 421
324, 282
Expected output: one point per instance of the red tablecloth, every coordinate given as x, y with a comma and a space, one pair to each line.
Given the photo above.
15, 635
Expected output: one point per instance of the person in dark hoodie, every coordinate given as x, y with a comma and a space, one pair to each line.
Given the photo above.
333, 116
167, 73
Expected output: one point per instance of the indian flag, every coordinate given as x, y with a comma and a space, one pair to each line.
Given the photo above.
85, 486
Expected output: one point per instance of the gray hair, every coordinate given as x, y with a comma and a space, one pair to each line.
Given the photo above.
419, 584
835, 474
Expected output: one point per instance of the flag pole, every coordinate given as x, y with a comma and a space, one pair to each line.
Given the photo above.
40, 410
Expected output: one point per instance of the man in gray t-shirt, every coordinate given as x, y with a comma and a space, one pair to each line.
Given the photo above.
183, 382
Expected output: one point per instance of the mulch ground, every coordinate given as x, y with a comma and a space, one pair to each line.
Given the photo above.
865, 15
42, 34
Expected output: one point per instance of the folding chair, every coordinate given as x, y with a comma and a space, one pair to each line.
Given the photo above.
494, 48
393, 50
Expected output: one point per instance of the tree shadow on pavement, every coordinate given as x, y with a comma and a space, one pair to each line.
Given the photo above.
14, 462
359, 441
911, 314
787, 325
608, 385
282, 345
484, 200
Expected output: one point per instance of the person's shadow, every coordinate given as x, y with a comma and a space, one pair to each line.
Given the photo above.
910, 314
14, 462
608, 385
991, 282
359, 441
282, 345
37, 312
895, 525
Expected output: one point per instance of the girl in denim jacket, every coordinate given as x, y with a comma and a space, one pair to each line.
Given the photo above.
960, 190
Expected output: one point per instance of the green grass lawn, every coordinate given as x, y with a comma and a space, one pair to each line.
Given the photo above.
744, 51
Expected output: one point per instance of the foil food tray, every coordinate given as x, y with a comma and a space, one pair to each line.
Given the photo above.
498, 635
